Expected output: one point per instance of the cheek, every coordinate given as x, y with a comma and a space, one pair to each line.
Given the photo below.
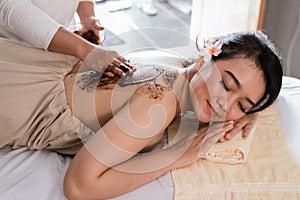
234, 114
206, 85
197, 85
198, 91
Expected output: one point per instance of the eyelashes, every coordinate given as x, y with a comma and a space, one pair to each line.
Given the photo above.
241, 107
224, 85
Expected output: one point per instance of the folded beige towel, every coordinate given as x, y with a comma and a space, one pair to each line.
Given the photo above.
271, 171
233, 151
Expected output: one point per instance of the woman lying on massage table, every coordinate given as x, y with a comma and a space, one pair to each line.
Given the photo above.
45, 104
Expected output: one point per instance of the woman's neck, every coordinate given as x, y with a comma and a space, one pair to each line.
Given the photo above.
184, 98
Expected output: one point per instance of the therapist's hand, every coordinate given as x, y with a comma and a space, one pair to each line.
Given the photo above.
91, 23
246, 123
108, 62
94, 57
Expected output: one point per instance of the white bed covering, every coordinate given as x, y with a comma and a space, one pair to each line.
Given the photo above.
30, 175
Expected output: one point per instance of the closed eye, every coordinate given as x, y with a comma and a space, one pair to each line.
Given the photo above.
241, 107
224, 85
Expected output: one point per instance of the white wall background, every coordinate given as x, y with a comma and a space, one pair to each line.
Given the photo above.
281, 22
212, 18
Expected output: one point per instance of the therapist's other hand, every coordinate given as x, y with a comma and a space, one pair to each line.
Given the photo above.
108, 62
246, 123
91, 23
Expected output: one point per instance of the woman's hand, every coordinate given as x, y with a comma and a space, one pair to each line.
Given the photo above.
194, 146
246, 123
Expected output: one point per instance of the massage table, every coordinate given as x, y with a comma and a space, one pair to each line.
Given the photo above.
29, 175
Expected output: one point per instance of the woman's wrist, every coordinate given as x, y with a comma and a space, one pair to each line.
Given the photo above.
174, 153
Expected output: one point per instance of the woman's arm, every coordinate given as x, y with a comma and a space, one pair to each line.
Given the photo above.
96, 171
80, 183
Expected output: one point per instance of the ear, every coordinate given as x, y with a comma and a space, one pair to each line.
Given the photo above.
198, 63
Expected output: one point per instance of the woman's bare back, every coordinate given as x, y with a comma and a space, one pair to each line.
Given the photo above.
110, 94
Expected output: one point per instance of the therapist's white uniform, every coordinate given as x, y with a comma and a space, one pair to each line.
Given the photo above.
35, 22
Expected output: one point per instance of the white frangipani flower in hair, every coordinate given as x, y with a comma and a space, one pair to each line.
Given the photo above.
210, 49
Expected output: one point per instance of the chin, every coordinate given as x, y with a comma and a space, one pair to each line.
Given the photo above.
204, 120
203, 117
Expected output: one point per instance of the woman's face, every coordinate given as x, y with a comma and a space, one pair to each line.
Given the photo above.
226, 90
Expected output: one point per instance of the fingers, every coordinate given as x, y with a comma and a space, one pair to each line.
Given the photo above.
126, 62
119, 67
228, 126
108, 62
108, 73
115, 70
96, 24
91, 23
219, 129
123, 65
239, 125
246, 132
232, 133
98, 27
210, 139
205, 138
246, 124
250, 125
225, 126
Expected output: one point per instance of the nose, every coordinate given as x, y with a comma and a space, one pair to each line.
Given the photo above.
222, 104
225, 102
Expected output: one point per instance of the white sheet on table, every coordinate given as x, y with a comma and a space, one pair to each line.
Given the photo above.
288, 105
30, 175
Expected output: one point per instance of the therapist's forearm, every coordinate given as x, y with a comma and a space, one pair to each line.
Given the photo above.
85, 10
71, 44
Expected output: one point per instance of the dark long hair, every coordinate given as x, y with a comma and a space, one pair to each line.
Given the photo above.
257, 47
